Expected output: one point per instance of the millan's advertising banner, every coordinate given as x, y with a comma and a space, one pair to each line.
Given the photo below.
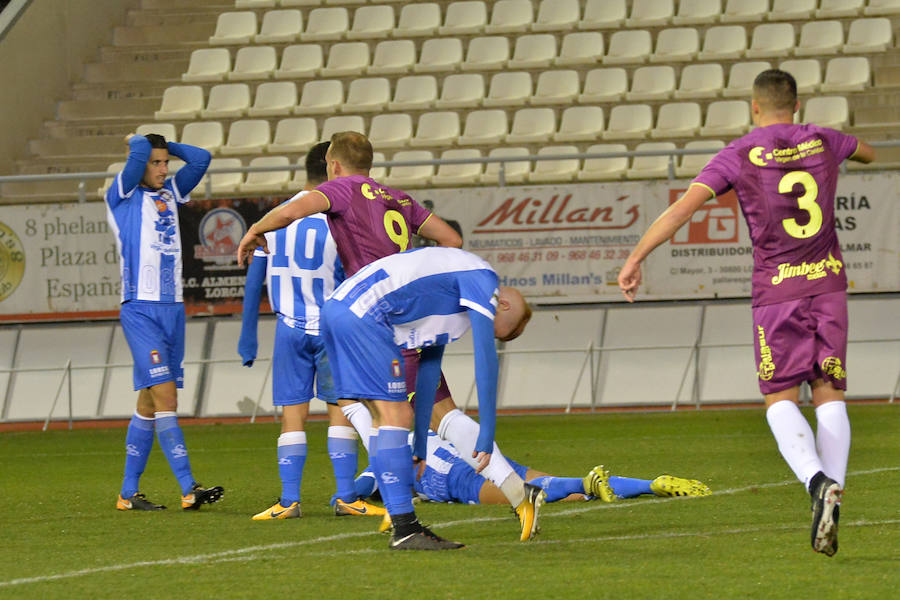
562, 243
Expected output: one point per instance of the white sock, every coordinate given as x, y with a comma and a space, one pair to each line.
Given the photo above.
795, 439
462, 431
289, 438
833, 439
361, 418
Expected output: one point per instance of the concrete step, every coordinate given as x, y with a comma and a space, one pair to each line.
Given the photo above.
112, 91
888, 76
163, 70
64, 129
128, 108
66, 164
47, 191
129, 55
222, 5
96, 145
163, 34
199, 14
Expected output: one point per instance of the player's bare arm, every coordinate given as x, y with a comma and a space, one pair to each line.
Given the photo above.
281, 216
662, 229
864, 153
437, 229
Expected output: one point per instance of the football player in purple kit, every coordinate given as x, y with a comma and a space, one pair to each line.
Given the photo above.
785, 177
370, 221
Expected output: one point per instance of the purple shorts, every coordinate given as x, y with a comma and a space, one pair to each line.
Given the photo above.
411, 364
801, 340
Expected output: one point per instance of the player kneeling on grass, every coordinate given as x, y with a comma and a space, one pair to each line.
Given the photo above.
423, 298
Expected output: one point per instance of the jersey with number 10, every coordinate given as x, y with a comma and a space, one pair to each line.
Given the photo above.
785, 177
368, 220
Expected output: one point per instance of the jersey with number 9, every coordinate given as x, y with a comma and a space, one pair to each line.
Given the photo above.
369, 220
785, 177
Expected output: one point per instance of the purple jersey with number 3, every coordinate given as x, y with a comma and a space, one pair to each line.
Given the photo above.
368, 220
785, 177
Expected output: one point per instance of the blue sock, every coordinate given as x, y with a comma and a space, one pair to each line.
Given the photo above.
171, 440
342, 448
626, 487
394, 464
365, 483
138, 443
558, 488
291, 458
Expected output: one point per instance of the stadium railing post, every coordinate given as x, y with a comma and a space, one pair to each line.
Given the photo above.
66, 372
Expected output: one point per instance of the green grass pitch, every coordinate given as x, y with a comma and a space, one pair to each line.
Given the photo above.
62, 537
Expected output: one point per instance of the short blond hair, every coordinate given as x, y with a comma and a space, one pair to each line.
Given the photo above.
352, 149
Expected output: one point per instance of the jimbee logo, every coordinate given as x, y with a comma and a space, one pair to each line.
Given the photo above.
715, 222
220, 232
12, 261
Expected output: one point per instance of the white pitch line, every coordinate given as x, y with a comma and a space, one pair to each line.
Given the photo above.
251, 551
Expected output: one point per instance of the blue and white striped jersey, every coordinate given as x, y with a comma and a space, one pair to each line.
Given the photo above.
423, 294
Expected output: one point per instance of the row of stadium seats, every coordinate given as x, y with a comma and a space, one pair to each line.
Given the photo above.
627, 46
517, 16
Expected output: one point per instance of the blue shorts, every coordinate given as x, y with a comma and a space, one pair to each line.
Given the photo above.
155, 334
298, 360
449, 479
365, 361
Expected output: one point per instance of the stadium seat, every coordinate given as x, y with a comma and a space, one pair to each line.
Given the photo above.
580, 124
600, 169
280, 26
602, 14
223, 183
604, 85
882, 7
414, 92
510, 16
367, 95
167, 130
629, 121
697, 12
551, 171
326, 24
300, 2
650, 13
267, 181
556, 15
533, 51
114, 168
704, 80
372, 22
300, 61
227, 100
832, 9
509, 89
180, 102
436, 129
346, 58
391, 130
846, 74
690, 164
806, 73
254, 3
486, 54
463, 90
378, 173
249, 136
556, 87
254, 62
236, 28
417, 20
273, 99
417, 176
209, 135
741, 76
208, 64
455, 174
484, 127
580, 48
532, 125
677, 120
729, 41
293, 135
792, 10
513, 171
771, 40
727, 118
342, 2
652, 83
439, 54
743, 11
820, 38
464, 18
392, 57
869, 35
333, 125
650, 167
320, 97
676, 45
827, 111
629, 46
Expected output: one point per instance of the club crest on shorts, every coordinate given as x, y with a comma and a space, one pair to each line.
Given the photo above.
154, 357
395, 368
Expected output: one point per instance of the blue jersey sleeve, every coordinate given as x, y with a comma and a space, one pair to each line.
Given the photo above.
247, 343
131, 175
196, 162
486, 370
427, 379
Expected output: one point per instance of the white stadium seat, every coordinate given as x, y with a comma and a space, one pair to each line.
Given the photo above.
180, 102
676, 45
299, 61
455, 174
208, 64
378, 173
742, 11
209, 135
414, 92
392, 57
650, 167
320, 97
652, 83
556, 15
417, 176
372, 22
580, 124
113, 169
439, 54
771, 40
726, 118
294, 135
869, 35
326, 24
827, 111
367, 95
550, 171
334, 125
704, 80
267, 181
792, 10
167, 130
236, 28
806, 72
629, 121
248, 136
227, 100
580, 48
677, 120
724, 42
882, 7
697, 12
650, 13
223, 183
280, 26
254, 62
556, 87
602, 14
391, 130
464, 18
831, 9
604, 85
484, 127
486, 54
274, 98
847, 74
436, 129
509, 89
513, 172
690, 164
741, 76
510, 16
629, 46
346, 58
417, 20
532, 125
461, 90
533, 51
600, 169
820, 38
